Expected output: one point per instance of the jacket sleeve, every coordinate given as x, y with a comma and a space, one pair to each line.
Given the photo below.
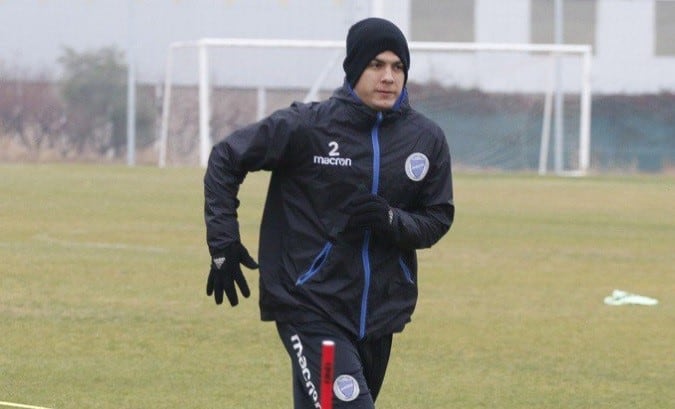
432, 217
260, 146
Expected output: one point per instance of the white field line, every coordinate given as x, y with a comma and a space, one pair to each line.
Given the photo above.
20, 405
104, 246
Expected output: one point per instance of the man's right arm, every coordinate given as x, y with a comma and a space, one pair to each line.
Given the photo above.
263, 145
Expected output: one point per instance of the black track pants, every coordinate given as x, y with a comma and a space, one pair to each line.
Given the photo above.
359, 365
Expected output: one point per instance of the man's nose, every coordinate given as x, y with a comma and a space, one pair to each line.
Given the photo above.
388, 75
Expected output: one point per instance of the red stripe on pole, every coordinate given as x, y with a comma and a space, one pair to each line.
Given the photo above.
327, 373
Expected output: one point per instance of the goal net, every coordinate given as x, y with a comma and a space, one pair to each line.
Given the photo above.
503, 107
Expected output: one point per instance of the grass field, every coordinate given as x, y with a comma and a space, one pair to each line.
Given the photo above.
102, 304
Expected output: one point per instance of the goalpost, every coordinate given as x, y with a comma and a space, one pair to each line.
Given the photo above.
508, 85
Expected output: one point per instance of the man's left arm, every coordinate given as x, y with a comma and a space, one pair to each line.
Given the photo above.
420, 227
423, 227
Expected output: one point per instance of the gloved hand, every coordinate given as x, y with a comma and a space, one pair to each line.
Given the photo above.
368, 211
225, 271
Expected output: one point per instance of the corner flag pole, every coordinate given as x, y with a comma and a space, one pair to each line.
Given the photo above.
327, 374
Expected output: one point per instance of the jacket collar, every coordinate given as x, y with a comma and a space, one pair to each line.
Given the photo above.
347, 95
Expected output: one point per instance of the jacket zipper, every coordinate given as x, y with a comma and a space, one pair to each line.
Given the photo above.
365, 258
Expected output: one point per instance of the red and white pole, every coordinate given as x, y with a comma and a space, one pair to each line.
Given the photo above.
327, 374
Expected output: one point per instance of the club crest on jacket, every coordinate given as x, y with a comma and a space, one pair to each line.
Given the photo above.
416, 166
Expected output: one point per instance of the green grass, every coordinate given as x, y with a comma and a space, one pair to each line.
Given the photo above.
102, 304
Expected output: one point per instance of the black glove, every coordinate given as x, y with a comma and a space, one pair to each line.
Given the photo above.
225, 271
368, 211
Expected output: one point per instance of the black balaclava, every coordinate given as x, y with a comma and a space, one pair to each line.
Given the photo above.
368, 38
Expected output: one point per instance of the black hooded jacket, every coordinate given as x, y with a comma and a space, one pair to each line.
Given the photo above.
320, 155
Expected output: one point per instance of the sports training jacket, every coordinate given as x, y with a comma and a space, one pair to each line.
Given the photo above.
320, 155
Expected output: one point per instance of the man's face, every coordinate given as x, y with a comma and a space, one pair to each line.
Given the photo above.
381, 82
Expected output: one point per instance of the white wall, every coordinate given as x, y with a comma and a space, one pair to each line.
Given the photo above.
624, 56
33, 32
499, 21
623, 62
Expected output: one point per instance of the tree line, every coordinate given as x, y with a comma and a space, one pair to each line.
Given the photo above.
83, 113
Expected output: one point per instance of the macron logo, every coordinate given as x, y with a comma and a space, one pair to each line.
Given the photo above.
327, 161
333, 158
